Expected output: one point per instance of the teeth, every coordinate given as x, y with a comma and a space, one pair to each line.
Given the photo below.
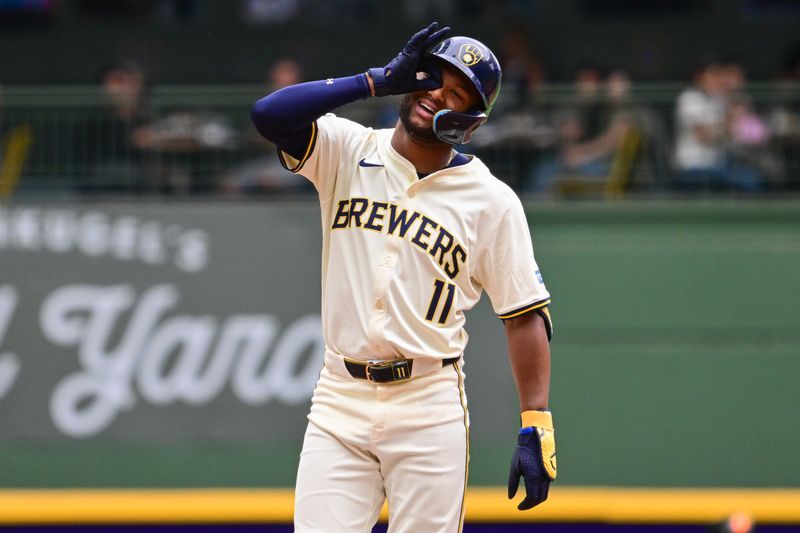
426, 108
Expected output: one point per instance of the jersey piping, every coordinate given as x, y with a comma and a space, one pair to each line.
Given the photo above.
312, 141
524, 309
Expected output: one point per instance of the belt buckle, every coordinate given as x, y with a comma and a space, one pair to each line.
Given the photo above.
400, 370
372, 364
366, 370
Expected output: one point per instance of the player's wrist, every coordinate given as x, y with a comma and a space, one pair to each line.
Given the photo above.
536, 418
370, 82
381, 82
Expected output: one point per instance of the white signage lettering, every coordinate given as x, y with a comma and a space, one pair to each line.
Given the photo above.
9, 363
127, 346
98, 234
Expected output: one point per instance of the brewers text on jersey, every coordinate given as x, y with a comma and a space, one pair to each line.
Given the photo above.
394, 220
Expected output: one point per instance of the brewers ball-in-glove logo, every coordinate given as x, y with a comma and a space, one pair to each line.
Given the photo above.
470, 54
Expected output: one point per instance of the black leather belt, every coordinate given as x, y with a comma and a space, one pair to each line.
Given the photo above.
386, 371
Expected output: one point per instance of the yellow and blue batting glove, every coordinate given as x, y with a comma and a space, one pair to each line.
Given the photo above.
534, 458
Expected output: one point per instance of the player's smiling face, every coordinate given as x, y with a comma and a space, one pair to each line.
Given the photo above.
418, 109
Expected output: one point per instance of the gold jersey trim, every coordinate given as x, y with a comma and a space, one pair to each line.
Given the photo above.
525, 309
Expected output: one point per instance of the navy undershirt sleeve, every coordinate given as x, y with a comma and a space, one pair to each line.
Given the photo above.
285, 116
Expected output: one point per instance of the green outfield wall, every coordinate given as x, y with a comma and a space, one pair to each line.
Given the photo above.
176, 344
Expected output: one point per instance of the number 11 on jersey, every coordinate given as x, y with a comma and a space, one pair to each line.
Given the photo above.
438, 289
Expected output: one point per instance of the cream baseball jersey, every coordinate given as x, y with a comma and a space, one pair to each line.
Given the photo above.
403, 258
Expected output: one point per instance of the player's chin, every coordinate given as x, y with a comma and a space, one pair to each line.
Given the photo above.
422, 133
421, 122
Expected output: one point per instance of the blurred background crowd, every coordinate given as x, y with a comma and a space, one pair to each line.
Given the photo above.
600, 98
148, 339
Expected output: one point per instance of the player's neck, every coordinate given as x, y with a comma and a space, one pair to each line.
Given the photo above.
426, 158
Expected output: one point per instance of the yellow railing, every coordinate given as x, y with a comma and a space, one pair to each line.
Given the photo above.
565, 504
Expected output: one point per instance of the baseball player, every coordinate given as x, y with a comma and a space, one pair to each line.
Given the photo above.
413, 233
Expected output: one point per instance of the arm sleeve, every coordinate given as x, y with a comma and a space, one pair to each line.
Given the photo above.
507, 269
287, 116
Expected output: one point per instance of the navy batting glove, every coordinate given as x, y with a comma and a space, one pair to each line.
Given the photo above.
534, 460
400, 75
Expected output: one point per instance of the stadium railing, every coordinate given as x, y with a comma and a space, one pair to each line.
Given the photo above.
197, 140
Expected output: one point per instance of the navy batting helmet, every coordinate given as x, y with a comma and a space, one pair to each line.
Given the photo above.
480, 66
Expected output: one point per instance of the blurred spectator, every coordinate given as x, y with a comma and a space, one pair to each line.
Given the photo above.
701, 159
283, 73
590, 131
745, 126
125, 148
123, 87
643, 151
108, 146
749, 141
700, 122
523, 70
748, 133
264, 174
520, 132
784, 118
732, 74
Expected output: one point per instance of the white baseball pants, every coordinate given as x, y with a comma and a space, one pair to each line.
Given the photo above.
406, 442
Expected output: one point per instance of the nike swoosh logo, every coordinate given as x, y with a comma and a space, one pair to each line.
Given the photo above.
363, 163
